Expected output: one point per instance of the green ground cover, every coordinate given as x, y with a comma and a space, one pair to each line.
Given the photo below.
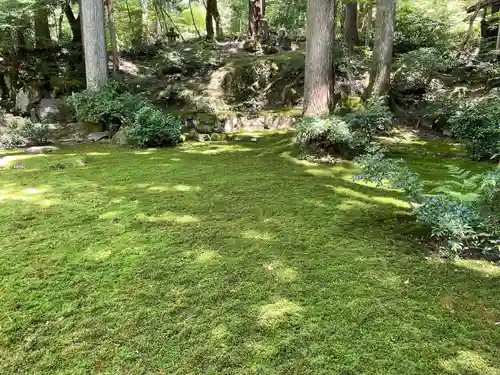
229, 258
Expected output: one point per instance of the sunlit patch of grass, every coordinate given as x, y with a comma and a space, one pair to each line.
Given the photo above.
204, 259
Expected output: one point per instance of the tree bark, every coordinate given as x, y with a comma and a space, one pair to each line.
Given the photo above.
194, 21
112, 35
351, 35
498, 39
208, 20
382, 50
42, 30
368, 23
145, 22
213, 14
74, 22
94, 44
319, 79
256, 13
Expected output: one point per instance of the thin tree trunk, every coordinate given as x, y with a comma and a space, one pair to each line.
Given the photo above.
59, 26
194, 22
368, 23
218, 26
471, 24
74, 22
164, 14
256, 12
351, 35
382, 50
42, 30
319, 79
498, 39
112, 35
145, 22
94, 40
210, 15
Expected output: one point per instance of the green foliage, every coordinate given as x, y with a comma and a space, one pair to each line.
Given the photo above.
374, 117
25, 134
110, 106
152, 127
417, 68
416, 30
476, 124
332, 136
440, 106
463, 215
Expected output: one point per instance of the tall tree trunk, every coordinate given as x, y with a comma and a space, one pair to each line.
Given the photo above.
368, 23
256, 12
471, 24
498, 39
208, 20
42, 30
218, 26
145, 21
351, 35
112, 35
194, 21
94, 44
382, 50
74, 22
319, 79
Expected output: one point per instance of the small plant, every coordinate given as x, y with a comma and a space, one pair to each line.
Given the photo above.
112, 105
152, 127
331, 136
26, 134
477, 125
374, 118
463, 214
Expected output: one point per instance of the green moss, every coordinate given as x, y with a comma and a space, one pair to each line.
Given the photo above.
229, 258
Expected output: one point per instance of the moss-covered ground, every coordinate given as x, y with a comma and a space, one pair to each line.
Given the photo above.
229, 258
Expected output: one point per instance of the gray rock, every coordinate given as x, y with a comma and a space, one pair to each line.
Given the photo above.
120, 138
8, 119
26, 97
98, 136
203, 137
41, 149
231, 124
53, 110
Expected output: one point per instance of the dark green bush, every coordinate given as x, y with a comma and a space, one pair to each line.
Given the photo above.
477, 125
373, 118
415, 30
112, 105
152, 127
331, 136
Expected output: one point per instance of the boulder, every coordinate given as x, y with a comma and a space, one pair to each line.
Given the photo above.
53, 110
26, 98
41, 149
252, 46
8, 119
203, 138
98, 136
120, 138
231, 124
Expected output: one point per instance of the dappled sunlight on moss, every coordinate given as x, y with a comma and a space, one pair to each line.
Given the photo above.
180, 187
256, 235
281, 272
468, 363
215, 149
208, 257
168, 217
488, 269
275, 313
368, 198
39, 196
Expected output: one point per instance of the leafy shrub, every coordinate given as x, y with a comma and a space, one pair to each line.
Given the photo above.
330, 135
26, 134
416, 69
440, 106
374, 118
477, 125
415, 30
152, 127
111, 105
463, 214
